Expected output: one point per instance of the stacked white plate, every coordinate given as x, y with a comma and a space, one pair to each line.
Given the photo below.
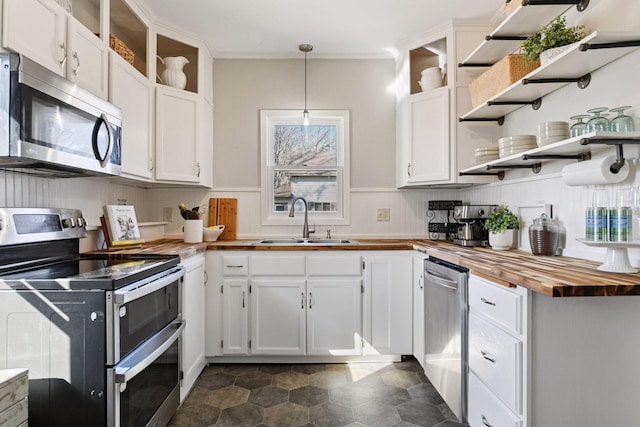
550, 132
486, 154
510, 145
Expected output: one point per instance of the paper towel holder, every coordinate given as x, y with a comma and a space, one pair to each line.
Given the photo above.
619, 163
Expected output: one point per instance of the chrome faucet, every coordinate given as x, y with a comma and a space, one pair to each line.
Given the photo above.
305, 227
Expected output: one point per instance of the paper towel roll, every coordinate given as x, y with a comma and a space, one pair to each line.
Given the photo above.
595, 171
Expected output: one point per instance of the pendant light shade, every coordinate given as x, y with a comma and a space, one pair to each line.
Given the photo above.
306, 48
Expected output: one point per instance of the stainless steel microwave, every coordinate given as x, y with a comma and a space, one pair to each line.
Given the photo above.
50, 126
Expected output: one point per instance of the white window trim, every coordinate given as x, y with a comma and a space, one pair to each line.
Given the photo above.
340, 117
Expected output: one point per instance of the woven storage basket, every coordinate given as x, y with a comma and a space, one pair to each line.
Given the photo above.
121, 49
500, 76
510, 6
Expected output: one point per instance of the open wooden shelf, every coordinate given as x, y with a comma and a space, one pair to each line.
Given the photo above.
567, 147
523, 21
574, 63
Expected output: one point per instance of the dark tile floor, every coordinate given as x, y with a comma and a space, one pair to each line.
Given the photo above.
357, 394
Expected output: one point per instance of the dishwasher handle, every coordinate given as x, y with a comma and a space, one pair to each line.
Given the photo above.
441, 280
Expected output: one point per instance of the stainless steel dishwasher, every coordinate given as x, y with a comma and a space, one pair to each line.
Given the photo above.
445, 294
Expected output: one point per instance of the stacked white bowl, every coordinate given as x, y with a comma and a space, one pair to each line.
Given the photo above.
486, 154
550, 132
510, 145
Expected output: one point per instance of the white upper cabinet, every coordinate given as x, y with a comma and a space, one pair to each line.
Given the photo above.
431, 145
46, 33
177, 135
133, 93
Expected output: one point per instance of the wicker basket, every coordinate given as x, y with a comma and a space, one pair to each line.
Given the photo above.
500, 76
121, 49
510, 6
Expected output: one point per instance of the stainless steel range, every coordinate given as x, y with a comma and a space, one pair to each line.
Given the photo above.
98, 333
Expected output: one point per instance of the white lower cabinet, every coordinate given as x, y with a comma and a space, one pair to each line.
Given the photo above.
498, 342
486, 410
278, 316
418, 308
235, 316
388, 314
334, 317
193, 312
320, 304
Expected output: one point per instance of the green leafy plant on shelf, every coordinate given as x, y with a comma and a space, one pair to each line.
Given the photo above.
500, 220
554, 34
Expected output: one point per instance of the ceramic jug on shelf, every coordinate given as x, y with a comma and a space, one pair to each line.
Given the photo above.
173, 75
431, 78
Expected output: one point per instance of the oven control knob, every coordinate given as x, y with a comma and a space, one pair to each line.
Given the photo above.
81, 222
68, 222
97, 393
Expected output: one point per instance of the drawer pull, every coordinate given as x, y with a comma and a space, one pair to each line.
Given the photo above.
486, 422
487, 356
486, 301
234, 266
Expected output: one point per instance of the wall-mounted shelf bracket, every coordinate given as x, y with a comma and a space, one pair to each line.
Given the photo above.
499, 174
535, 104
535, 168
474, 64
591, 46
619, 163
581, 5
507, 38
500, 120
579, 157
582, 82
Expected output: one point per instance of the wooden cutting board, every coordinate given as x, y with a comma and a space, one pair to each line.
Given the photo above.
224, 212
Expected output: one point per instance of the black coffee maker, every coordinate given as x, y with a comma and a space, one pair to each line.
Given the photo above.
471, 218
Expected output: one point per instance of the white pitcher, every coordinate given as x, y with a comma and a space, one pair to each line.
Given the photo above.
173, 75
431, 78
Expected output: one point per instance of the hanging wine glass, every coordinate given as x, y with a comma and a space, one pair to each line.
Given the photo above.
580, 127
622, 122
598, 123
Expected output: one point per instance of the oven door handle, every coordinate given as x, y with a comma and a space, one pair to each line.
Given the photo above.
125, 295
147, 353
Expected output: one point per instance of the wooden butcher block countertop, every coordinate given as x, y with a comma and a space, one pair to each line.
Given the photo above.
551, 276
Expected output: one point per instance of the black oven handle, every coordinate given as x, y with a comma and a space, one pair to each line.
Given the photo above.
133, 292
143, 356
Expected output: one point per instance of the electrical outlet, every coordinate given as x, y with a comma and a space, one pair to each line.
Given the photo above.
383, 214
167, 214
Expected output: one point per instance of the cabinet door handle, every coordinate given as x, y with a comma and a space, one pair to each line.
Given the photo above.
75, 70
243, 294
486, 301
302, 300
408, 169
487, 356
486, 422
421, 281
198, 169
310, 300
63, 48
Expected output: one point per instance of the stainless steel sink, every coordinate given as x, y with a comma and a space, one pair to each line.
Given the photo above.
298, 242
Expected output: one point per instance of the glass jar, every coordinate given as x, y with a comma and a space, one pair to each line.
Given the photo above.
543, 236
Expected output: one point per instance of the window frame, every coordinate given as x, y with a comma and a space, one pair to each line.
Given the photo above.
339, 118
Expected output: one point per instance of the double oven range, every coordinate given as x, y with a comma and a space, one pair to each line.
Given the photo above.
98, 333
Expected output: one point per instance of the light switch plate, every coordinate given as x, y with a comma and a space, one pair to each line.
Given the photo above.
383, 214
167, 214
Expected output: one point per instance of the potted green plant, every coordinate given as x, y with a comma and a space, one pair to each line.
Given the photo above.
501, 224
555, 34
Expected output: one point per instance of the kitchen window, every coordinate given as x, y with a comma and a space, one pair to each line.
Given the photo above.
305, 161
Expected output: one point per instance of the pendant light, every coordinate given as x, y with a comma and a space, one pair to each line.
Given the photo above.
306, 48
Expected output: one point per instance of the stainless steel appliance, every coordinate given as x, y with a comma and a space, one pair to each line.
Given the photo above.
49, 126
471, 231
99, 333
445, 317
